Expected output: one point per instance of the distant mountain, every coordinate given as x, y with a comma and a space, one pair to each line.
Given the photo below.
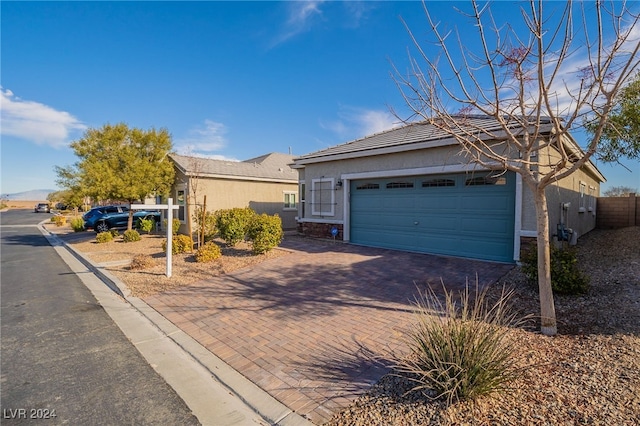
35, 195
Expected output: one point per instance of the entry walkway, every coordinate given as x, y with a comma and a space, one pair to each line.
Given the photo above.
314, 328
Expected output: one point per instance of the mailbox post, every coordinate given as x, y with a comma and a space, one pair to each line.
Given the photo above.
170, 207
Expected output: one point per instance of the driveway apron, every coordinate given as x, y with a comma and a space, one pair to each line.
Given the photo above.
315, 328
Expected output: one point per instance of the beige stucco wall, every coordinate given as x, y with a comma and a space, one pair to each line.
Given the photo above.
263, 197
567, 190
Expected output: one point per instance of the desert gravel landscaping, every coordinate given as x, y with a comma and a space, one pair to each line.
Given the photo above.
588, 374
117, 255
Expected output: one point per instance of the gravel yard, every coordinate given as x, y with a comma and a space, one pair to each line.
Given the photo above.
588, 374
116, 257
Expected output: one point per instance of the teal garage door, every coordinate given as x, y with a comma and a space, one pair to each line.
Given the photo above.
465, 215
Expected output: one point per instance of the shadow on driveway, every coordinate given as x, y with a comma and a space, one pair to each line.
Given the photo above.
315, 328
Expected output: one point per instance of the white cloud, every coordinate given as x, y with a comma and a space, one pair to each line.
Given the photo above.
36, 122
204, 139
356, 122
301, 13
358, 11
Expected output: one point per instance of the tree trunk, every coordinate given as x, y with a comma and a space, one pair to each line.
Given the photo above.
548, 325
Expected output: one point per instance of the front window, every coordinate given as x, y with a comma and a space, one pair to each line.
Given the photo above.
322, 197
290, 201
180, 199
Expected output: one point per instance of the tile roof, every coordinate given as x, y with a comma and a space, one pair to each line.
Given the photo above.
404, 138
271, 167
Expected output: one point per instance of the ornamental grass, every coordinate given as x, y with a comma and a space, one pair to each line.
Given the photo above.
460, 347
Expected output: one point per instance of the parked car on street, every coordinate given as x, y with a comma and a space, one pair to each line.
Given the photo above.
96, 213
121, 220
42, 208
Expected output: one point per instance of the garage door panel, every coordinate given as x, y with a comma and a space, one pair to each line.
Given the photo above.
470, 221
489, 203
445, 243
406, 201
437, 224
432, 203
490, 227
369, 220
472, 246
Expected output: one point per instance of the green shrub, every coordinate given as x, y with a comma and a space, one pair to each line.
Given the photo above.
77, 224
175, 225
208, 252
460, 348
233, 224
265, 233
209, 223
179, 244
566, 278
114, 233
104, 237
130, 236
142, 261
59, 220
146, 225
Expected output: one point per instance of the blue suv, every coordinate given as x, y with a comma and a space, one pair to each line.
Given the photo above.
92, 216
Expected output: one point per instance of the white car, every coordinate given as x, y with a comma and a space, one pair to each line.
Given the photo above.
42, 208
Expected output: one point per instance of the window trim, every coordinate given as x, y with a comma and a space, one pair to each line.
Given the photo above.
583, 197
331, 202
295, 201
592, 199
182, 204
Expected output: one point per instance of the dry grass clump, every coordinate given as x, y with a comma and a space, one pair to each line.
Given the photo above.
461, 348
142, 261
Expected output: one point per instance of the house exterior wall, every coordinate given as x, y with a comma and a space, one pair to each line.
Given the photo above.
580, 190
580, 215
437, 158
262, 197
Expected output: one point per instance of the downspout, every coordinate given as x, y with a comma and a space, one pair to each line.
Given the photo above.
346, 209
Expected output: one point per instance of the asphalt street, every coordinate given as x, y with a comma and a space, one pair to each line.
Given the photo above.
63, 359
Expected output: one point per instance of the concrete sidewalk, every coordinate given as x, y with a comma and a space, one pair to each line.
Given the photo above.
216, 394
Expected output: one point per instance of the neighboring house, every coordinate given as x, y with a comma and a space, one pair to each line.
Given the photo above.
411, 188
266, 184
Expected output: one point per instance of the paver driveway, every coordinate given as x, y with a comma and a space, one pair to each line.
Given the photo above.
314, 328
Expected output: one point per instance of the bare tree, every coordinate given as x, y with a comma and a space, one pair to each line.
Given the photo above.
538, 78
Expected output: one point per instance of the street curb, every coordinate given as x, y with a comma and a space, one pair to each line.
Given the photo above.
263, 404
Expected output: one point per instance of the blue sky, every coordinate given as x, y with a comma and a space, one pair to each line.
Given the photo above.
232, 80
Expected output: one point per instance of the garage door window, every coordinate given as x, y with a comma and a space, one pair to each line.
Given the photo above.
368, 186
394, 185
486, 180
432, 183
